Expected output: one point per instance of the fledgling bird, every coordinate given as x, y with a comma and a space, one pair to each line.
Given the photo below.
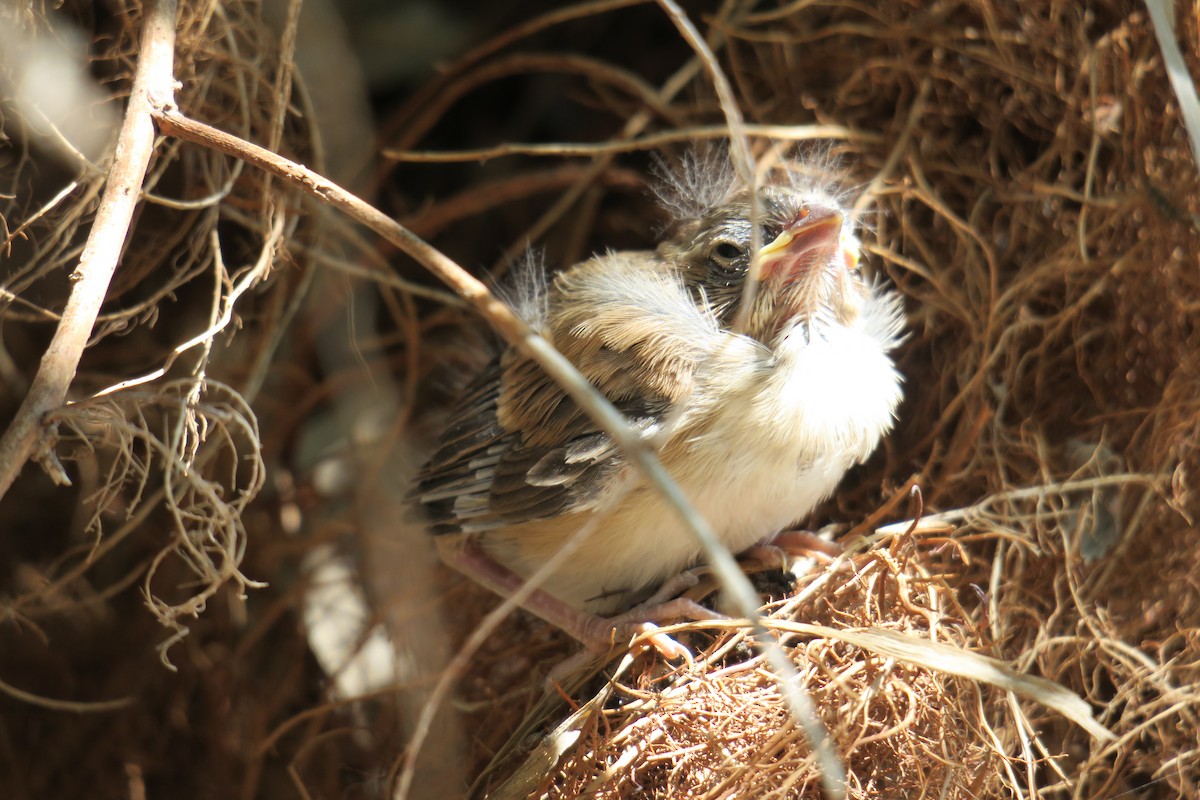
757, 423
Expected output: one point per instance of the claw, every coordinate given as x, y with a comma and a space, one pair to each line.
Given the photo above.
666, 646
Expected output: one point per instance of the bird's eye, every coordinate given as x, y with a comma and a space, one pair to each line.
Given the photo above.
727, 252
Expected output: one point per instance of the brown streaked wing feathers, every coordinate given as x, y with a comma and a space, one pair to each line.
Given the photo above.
519, 449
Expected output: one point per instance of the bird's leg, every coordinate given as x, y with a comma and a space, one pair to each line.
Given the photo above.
777, 551
671, 589
595, 632
796, 542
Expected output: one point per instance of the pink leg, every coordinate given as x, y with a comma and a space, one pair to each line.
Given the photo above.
796, 542
596, 633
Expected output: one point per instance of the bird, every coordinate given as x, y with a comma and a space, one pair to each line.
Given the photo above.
757, 402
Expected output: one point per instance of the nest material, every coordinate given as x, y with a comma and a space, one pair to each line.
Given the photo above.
721, 728
1028, 186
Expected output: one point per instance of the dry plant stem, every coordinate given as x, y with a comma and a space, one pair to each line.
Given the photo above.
915, 112
1161, 15
493, 194
675, 84
249, 280
630, 129
959, 515
655, 141
940, 657
868, 525
737, 587
415, 119
63, 705
739, 142
153, 86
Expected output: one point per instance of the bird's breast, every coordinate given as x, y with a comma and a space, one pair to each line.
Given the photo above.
764, 438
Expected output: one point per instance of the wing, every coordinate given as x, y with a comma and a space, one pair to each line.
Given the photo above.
519, 448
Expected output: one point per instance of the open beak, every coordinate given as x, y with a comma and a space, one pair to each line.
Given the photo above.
814, 240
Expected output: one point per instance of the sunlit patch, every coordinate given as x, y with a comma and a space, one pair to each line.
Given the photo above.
850, 254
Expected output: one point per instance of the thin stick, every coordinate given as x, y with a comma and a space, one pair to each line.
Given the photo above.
654, 141
739, 143
153, 86
737, 587
70, 706
1162, 17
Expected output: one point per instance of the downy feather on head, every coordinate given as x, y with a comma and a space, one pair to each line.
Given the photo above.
525, 288
704, 178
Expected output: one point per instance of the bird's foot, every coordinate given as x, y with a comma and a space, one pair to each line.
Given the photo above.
779, 548
598, 634
601, 633
643, 621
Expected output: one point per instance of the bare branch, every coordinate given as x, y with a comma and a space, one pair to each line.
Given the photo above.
153, 86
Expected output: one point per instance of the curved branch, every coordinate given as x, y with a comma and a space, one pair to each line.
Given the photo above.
153, 86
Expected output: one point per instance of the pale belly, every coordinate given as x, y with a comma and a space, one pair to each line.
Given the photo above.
746, 495
764, 457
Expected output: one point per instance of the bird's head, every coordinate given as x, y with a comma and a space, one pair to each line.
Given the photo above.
806, 267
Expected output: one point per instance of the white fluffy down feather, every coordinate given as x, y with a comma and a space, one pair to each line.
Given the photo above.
759, 406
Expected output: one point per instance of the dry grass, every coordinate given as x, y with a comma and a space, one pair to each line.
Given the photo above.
1028, 186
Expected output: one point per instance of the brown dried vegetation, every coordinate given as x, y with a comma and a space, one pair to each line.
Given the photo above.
261, 373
